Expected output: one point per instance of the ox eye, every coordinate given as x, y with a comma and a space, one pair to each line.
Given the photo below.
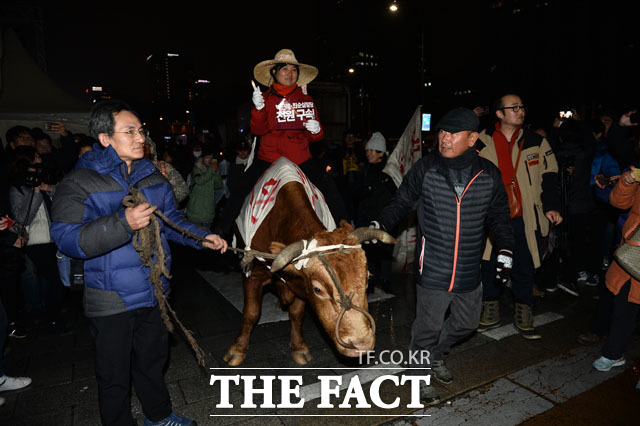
319, 292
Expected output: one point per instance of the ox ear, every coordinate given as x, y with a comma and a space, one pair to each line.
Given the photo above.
346, 225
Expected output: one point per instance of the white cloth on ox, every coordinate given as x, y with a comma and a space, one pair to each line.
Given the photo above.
312, 246
263, 196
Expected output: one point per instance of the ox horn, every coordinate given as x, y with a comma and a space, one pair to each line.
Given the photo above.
368, 234
287, 254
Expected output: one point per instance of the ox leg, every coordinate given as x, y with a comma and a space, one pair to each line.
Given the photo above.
299, 349
250, 314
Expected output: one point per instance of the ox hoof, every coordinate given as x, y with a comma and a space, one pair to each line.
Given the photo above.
301, 357
234, 358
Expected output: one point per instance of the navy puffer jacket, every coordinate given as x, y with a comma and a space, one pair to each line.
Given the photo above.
88, 222
452, 228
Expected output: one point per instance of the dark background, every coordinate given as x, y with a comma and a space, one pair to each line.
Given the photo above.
555, 54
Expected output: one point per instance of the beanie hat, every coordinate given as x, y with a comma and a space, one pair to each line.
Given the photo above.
377, 143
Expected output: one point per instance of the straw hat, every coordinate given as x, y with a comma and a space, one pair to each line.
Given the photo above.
284, 56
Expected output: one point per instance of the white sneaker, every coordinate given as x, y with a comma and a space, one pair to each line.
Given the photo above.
13, 383
583, 276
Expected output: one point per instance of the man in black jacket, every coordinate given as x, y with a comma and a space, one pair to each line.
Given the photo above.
456, 193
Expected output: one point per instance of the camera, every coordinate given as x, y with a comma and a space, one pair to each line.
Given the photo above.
39, 174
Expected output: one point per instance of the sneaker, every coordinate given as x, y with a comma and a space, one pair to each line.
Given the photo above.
13, 383
606, 364
589, 338
583, 276
552, 288
569, 288
16, 331
441, 372
429, 395
593, 280
172, 420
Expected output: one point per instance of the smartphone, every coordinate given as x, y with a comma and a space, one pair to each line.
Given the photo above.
426, 122
48, 126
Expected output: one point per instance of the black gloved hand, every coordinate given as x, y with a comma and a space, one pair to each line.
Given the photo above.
503, 268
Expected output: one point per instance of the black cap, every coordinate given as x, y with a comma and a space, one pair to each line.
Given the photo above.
458, 120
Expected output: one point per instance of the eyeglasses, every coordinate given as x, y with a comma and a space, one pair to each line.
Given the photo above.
515, 108
135, 132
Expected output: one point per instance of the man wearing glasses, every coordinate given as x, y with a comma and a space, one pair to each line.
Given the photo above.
530, 175
90, 223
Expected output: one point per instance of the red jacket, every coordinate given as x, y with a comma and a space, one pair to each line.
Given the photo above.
292, 144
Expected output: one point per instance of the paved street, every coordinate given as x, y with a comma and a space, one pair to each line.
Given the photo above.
500, 378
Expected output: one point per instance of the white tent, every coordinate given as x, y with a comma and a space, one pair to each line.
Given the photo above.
29, 97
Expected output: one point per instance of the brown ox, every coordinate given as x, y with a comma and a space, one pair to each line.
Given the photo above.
292, 219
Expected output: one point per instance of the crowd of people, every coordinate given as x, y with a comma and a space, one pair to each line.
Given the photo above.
510, 207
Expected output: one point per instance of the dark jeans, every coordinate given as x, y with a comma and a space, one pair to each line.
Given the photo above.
131, 345
522, 274
432, 332
244, 182
623, 321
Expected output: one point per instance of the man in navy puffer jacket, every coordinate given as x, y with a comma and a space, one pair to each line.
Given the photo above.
90, 223
460, 198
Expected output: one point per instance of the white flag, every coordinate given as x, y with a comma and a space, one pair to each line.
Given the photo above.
408, 150
406, 153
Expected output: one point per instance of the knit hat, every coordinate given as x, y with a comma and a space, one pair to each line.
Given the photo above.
284, 56
458, 120
377, 143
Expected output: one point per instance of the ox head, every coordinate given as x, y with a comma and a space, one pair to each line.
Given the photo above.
335, 283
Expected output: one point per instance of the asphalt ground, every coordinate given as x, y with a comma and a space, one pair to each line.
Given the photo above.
556, 389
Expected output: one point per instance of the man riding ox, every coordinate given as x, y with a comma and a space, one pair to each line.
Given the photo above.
316, 263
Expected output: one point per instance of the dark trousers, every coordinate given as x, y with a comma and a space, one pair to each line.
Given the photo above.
623, 321
586, 232
243, 183
430, 330
44, 257
522, 274
131, 345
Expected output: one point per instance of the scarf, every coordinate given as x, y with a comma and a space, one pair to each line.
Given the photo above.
283, 90
503, 151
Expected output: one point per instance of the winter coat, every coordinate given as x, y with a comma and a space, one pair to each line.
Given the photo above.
625, 196
38, 221
201, 206
89, 223
292, 144
373, 193
451, 226
537, 178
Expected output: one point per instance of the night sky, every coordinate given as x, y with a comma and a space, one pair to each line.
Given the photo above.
568, 52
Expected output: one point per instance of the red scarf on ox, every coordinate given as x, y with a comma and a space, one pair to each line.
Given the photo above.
504, 149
